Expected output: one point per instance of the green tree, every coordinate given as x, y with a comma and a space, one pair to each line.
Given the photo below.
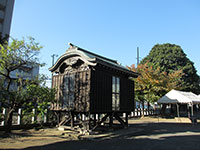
14, 56
38, 96
171, 57
152, 84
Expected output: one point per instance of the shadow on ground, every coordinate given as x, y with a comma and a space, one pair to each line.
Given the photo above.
141, 136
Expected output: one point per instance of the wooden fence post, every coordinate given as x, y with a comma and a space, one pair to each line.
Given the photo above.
4, 114
144, 112
46, 116
136, 112
139, 112
124, 115
19, 115
97, 117
34, 117
83, 117
148, 112
132, 114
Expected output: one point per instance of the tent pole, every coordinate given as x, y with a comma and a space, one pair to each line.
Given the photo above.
177, 105
188, 109
192, 110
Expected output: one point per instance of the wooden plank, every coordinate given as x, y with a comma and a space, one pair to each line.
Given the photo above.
126, 118
59, 89
64, 121
93, 91
61, 79
81, 91
87, 90
95, 119
102, 120
111, 119
76, 92
57, 93
84, 90
72, 119
120, 120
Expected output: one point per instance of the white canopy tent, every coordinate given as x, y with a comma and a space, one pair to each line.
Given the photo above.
180, 97
175, 96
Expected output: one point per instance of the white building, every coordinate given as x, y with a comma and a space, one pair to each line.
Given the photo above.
26, 72
6, 10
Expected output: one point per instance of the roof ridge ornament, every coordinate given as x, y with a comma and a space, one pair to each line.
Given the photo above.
72, 46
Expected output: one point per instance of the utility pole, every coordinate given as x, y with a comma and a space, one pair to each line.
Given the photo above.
54, 55
138, 56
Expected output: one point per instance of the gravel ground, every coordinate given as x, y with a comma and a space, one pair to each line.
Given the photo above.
142, 134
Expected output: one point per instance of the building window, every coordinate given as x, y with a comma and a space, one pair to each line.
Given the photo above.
68, 91
115, 93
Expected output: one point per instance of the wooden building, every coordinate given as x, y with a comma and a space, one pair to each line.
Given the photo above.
92, 85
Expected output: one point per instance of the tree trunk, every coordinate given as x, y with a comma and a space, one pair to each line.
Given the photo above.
142, 108
8, 120
148, 108
9, 81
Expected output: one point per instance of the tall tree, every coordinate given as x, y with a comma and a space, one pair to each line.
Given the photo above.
171, 57
14, 56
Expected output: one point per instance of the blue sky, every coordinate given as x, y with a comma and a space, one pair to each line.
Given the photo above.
112, 28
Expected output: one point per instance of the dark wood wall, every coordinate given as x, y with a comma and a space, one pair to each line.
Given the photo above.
81, 92
101, 91
93, 91
126, 94
57, 80
101, 94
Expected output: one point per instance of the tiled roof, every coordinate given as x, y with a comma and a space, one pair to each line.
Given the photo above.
94, 58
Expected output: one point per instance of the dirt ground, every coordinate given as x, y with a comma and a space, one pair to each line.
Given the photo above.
20, 139
145, 133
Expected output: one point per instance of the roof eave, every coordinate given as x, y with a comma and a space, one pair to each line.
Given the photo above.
130, 73
72, 53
